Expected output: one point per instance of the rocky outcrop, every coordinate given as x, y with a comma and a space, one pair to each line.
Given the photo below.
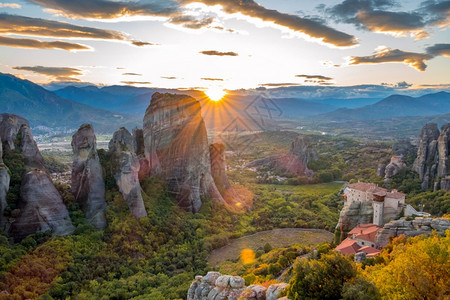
40, 206
354, 214
88, 186
9, 128
402, 150
139, 150
126, 171
295, 162
445, 183
215, 286
4, 185
219, 174
409, 228
176, 148
432, 154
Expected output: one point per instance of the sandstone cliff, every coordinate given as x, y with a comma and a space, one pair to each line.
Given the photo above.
432, 154
40, 206
176, 147
295, 162
88, 186
409, 228
126, 171
215, 286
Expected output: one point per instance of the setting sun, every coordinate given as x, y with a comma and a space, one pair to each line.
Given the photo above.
215, 94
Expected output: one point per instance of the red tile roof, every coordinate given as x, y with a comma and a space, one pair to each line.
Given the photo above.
362, 186
365, 232
370, 252
348, 246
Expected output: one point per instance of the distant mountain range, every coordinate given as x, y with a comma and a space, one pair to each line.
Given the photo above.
44, 108
394, 106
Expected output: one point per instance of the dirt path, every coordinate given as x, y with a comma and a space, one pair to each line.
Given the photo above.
277, 238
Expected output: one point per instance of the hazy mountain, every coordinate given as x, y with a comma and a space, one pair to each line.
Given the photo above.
44, 108
117, 98
394, 106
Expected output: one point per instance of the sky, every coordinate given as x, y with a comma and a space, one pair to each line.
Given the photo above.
228, 44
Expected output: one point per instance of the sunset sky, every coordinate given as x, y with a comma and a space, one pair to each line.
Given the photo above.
227, 44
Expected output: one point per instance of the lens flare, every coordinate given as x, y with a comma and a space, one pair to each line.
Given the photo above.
215, 93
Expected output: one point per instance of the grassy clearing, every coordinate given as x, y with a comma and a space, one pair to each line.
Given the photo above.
277, 237
318, 189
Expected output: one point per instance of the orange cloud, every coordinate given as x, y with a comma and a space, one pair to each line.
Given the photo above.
36, 44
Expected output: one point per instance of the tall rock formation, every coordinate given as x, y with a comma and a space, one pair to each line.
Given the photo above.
219, 174
40, 206
88, 186
432, 154
176, 147
443, 150
139, 150
126, 171
295, 162
4, 185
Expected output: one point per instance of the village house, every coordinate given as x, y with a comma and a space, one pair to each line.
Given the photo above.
360, 239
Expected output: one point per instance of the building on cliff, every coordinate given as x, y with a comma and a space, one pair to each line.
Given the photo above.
360, 239
385, 204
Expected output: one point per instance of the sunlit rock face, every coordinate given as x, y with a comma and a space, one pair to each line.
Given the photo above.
126, 171
40, 206
88, 186
432, 154
295, 162
176, 147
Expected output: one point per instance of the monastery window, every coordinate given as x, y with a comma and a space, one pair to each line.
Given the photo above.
362, 243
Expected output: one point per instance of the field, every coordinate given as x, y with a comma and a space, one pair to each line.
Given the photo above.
316, 189
277, 237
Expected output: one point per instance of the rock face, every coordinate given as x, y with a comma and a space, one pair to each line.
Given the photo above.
295, 162
40, 206
414, 227
88, 186
126, 171
176, 147
4, 185
139, 150
443, 150
219, 174
215, 286
432, 154
354, 214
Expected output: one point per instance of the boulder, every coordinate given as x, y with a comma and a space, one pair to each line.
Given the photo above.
88, 186
254, 292
381, 170
275, 290
126, 171
176, 148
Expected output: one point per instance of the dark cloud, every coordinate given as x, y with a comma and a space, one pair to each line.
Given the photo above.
310, 27
132, 74
385, 55
218, 53
36, 44
373, 15
55, 73
278, 84
20, 25
191, 22
104, 9
317, 77
140, 43
169, 77
135, 82
173, 10
439, 49
212, 79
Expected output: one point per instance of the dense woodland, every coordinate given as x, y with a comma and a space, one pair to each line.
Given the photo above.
158, 256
